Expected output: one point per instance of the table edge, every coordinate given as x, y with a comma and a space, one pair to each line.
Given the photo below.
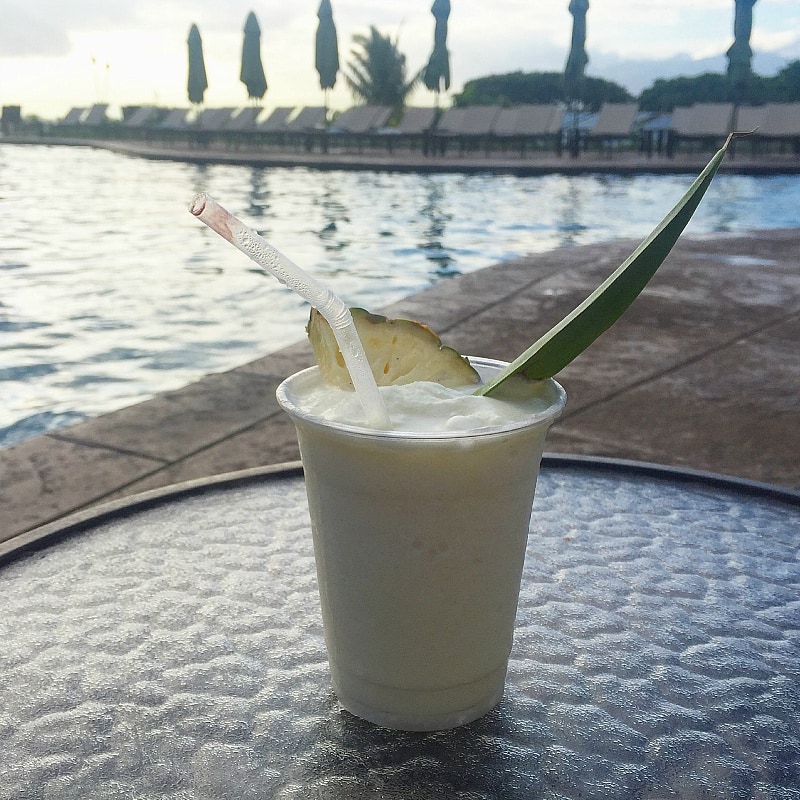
46, 535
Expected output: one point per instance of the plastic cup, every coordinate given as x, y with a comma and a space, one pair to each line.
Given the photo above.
419, 541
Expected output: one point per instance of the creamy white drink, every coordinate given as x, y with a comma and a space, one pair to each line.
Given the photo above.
419, 537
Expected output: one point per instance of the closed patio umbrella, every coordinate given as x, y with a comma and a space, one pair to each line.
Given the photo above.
198, 82
740, 53
437, 70
575, 67
252, 73
577, 59
326, 50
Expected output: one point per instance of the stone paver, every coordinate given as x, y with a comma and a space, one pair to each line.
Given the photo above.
45, 478
703, 371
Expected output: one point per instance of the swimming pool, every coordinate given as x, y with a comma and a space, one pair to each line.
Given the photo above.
110, 291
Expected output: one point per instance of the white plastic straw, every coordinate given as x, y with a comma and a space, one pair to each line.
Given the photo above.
328, 304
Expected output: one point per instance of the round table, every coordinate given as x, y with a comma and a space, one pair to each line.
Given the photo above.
171, 647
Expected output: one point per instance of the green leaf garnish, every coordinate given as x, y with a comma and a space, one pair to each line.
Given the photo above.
605, 305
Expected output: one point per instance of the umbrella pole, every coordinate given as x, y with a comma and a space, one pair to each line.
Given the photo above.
324, 137
575, 146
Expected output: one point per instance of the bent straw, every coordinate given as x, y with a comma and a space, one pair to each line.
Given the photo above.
271, 260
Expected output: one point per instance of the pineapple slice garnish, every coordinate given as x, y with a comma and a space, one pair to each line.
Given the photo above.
398, 350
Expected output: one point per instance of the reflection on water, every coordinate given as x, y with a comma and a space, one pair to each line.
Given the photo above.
259, 195
330, 201
570, 202
110, 291
435, 213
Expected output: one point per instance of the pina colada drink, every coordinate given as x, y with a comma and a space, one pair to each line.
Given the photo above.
420, 502
419, 537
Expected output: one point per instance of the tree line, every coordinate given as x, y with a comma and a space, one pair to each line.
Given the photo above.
378, 74
664, 95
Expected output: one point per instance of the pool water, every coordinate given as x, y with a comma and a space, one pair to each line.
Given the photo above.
110, 291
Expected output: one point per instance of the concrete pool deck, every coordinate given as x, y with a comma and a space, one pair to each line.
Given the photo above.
702, 372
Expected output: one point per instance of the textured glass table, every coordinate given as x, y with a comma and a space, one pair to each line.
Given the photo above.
172, 647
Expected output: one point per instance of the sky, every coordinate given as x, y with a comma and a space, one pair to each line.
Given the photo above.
56, 54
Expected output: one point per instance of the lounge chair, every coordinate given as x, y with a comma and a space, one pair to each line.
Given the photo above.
779, 121
176, 119
774, 124
244, 120
471, 127
527, 123
142, 117
525, 120
73, 117
11, 120
307, 127
213, 119
416, 121
703, 123
84, 122
356, 126
614, 125
615, 120
361, 119
309, 118
655, 133
276, 121
414, 129
96, 115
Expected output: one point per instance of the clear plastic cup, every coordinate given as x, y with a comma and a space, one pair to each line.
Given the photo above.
419, 542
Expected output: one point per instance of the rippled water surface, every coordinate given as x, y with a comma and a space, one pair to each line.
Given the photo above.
110, 291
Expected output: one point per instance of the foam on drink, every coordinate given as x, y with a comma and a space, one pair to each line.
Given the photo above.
428, 407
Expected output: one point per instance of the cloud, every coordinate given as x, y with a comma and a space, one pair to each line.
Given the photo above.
47, 28
27, 33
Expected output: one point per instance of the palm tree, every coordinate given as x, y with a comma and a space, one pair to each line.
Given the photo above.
377, 71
